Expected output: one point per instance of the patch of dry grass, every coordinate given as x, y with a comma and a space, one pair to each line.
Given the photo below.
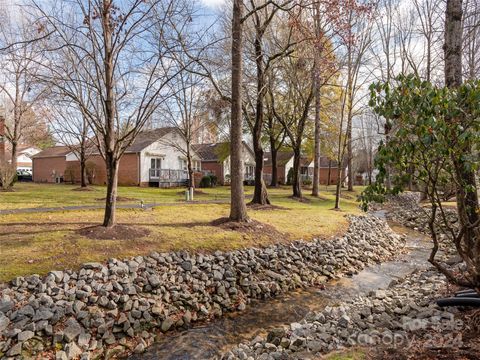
40, 242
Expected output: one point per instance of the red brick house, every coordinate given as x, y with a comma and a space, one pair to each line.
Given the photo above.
216, 161
156, 158
327, 172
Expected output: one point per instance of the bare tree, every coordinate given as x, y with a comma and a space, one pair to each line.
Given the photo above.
70, 127
357, 42
238, 209
291, 97
186, 112
19, 86
263, 24
123, 51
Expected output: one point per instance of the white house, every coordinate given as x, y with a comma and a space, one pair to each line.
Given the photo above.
157, 157
24, 157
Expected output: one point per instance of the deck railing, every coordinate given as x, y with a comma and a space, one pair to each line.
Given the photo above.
170, 175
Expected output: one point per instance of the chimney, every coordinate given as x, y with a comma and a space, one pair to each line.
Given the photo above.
2, 139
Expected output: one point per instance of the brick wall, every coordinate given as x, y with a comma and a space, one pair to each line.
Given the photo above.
280, 173
215, 168
45, 168
127, 171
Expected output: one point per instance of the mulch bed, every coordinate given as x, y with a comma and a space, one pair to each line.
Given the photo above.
252, 227
117, 232
265, 207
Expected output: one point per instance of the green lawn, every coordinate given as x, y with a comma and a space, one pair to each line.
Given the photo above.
39, 242
31, 195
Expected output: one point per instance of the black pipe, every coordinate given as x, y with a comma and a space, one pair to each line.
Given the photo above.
459, 301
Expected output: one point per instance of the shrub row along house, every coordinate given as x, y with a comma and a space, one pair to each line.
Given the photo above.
158, 158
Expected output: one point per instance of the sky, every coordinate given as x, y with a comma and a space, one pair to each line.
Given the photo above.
212, 3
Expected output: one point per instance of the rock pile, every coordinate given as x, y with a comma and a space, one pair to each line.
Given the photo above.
112, 308
384, 317
406, 210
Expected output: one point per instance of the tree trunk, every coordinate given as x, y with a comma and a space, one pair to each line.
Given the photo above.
112, 182
83, 171
329, 172
349, 151
260, 195
111, 155
238, 209
467, 197
296, 182
316, 159
191, 180
13, 163
274, 152
316, 80
338, 185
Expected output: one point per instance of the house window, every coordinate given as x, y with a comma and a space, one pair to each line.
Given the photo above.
183, 164
197, 165
155, 163
249, 170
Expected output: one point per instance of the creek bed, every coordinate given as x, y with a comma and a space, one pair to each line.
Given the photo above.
212, 339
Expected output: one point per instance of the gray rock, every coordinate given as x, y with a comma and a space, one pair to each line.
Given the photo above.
6, 304
154, 280
93, 265
186, 265
167, 324
15, 350
140, 348
72, 350
72, 331
4, 322
25, 335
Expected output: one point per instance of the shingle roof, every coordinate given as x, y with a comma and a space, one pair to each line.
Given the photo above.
148, 137
143, 139
216, 152
212, 152
283, 157
52, 152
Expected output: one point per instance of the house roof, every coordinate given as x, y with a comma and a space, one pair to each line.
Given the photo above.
283, 157
52, 152
147, 137
216, 152
143, 139
212, 152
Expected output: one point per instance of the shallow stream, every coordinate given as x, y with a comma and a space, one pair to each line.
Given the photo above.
211, 339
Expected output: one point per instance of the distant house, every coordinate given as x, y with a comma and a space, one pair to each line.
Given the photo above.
327, 173
156, 158
24, 156
216, 161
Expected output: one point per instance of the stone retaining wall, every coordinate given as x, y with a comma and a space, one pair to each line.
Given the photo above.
115, 308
